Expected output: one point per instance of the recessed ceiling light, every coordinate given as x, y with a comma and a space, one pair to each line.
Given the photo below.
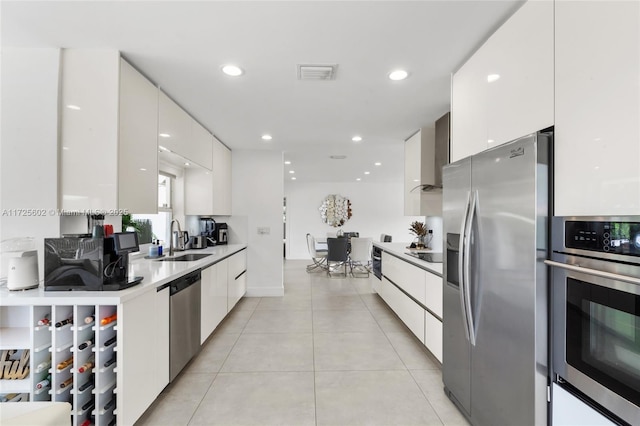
398, 75
489, 140
66, 148
356, 138
73, 107
377, 164
367, 173
293, 178
187, 164
358, 179
287, 162
164, 135
142, 169
267, 137
291, 172
232, 70
493, 77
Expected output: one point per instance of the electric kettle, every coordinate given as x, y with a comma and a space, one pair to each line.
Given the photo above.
180, 240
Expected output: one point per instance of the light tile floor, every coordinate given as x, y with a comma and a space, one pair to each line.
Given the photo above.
329, 352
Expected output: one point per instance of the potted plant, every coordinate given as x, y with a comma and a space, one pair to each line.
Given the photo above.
418, 229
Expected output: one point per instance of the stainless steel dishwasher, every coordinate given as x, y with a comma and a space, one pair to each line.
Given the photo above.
184, 321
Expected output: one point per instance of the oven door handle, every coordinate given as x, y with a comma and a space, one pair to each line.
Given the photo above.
594, 272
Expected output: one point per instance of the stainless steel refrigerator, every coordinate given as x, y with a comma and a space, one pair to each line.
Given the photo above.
496, 207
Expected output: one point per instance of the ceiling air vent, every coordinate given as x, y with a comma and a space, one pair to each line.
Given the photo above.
317, 72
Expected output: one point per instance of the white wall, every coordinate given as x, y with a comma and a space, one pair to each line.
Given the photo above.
257, 194
29, 144
377, 209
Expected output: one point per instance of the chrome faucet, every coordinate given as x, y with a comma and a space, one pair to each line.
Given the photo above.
171, 235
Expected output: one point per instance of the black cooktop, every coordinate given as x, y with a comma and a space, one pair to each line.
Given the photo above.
428, 257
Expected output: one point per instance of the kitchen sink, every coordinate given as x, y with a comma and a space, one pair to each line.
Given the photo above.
190, 257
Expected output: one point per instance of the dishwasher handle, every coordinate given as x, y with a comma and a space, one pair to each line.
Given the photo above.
184, 282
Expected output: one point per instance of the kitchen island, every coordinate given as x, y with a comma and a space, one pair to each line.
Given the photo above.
413, 290
108, 352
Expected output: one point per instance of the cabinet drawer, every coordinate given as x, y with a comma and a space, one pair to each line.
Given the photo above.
411, 314
406, 276
237, 264
433, 335
434, 293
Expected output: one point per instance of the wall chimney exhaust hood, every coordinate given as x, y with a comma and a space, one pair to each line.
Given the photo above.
434, 156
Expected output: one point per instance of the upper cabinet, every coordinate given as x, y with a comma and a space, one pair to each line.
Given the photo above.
597, 136
207, 192
181, 134
419, 164
108, 140
505, 90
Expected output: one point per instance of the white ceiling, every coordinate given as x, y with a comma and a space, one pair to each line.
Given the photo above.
181, 45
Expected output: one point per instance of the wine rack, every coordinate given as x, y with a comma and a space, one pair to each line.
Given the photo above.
72, 358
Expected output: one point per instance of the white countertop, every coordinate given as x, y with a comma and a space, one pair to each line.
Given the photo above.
155, 273
400, 250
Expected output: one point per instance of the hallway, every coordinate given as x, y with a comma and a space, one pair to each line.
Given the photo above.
330, 352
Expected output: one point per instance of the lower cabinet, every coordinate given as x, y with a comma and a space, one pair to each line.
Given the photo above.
213, 302
237, 278
568, 410
143, 349
415, 295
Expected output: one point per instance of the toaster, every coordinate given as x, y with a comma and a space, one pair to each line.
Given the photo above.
198, 242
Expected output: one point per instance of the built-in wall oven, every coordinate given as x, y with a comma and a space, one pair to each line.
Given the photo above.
596, 311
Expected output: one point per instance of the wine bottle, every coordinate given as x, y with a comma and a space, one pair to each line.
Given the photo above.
82, 346
110, 404
86, 366
86, 422
44, 320
109, 319
110, 341
91, 318
85, 385
44, 383
88, 406
64, 322
110, 361
43, 366
67, 382
64, 364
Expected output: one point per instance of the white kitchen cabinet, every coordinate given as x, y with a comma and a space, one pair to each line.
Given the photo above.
433, 293
108, 134
505, 90
137, 355
221, 179
182, 135
174, 127
433, 335
409, 277
568, 410
237, 278
409, 312
161, 346
213, 305
412, 175
201, 146
419, 152
597, 105
208, 193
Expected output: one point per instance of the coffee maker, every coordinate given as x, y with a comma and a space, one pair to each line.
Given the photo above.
222, 235
208, 230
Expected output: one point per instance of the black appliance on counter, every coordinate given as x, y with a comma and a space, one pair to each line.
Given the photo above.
222, 235
89, 264
208, 230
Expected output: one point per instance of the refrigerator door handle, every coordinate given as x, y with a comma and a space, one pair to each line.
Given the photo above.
461, 270
467, 269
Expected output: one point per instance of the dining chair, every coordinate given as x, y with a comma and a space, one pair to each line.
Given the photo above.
337, 255
360, 256
319, 257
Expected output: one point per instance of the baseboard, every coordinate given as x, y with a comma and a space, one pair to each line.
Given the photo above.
265, 292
